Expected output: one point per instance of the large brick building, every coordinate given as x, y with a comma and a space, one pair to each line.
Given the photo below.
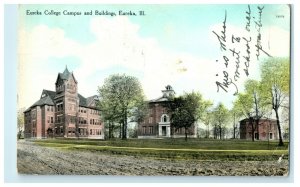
64, 112
267, 129
157, 121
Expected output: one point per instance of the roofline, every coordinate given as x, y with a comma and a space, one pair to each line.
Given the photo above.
89, 107
270, 119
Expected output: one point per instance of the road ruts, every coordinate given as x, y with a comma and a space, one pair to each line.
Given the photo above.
34, 159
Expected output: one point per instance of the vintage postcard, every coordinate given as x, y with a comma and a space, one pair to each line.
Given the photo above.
154, 90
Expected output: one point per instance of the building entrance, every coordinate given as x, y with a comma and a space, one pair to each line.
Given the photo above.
164, 130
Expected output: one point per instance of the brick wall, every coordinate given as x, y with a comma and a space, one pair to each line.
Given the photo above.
263, 131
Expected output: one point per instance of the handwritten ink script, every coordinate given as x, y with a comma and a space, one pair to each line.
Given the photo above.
235, 49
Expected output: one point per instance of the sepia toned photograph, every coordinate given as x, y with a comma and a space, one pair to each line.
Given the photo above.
153, 90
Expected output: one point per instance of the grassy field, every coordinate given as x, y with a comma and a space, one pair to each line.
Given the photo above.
200, 149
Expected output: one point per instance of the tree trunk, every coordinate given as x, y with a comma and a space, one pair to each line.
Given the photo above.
234, 131
220, 129
208, 131
279, 129
113, 127
185, 129
121, 130
109, 129
256, 114
215, 132
125, 127
233, 125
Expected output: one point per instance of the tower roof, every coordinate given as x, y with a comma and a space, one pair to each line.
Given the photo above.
166, 95
65, 75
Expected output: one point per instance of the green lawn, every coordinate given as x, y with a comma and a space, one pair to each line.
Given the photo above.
177, 143
200, 149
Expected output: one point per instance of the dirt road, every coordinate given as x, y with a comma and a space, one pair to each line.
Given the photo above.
34, 159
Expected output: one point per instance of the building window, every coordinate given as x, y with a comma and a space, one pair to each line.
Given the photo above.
256, 136
91, 131
151, 130
34, 124
48, 119
271, 136
144, 129
48, 108
60, 107
164, 118
150, 119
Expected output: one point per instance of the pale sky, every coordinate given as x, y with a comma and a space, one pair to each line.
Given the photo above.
170, 44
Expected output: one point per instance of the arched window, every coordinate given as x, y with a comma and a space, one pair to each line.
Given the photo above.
164, 118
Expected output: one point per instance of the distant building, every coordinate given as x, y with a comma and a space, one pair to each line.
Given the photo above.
157, 121
267, 129
59, 113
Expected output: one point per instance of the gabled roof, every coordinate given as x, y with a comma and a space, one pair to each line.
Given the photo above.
90, 101
82, 100
51, 94
160, 99
86, 102
48, 99
65, 75
43, 101
27, 110
48, 96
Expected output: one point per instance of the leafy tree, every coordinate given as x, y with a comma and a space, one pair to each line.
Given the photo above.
206, 118
120, 97
251, 104
111, 114
259, 100
243, 107
235, 118
185, 110
139, 112
132, 132
220, 118
275, 74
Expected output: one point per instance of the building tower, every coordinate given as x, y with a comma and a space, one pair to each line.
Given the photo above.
66, 103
